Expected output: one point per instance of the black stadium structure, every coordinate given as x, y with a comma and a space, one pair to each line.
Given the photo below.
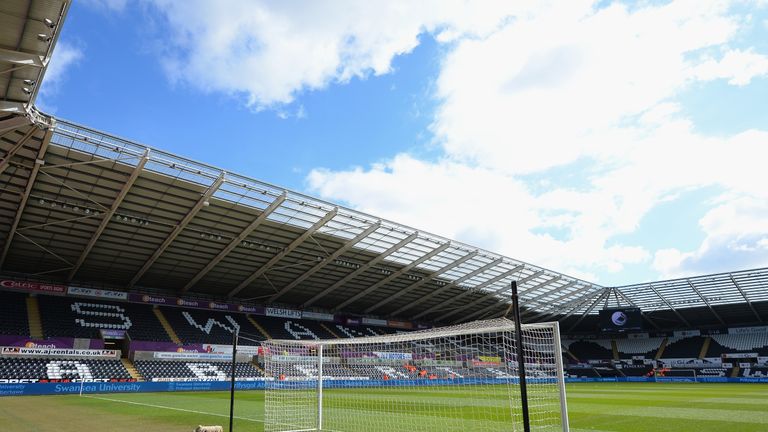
84, 208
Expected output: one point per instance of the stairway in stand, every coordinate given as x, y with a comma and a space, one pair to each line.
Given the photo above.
129, 366
33, 317
167, 326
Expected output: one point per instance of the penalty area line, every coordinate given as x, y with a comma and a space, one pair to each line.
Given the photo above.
172, 408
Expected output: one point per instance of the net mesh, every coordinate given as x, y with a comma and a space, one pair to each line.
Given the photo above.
456, 378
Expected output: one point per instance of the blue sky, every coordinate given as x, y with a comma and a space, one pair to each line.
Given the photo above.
619, 142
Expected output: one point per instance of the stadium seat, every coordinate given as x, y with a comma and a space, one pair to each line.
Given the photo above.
13, 314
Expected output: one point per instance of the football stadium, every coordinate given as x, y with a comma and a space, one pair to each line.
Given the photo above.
142, 290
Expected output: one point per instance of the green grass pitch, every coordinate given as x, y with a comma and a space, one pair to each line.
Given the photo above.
614, 407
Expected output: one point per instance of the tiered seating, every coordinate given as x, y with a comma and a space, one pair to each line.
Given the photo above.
683, 347
59, 370
637, 370
360, 331
582, 372
155, 370
204, 326
739, 343
13, 314
290, 328
635, 347
82, 318
754, 372
597, 349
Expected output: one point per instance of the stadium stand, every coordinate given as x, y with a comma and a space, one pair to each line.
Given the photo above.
160, 370
738, 343
13, 314
285, 328
646, 347
203, 326
82, 318
683, 347
62, 370
754, 372
593, 349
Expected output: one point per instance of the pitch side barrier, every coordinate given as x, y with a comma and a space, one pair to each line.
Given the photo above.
31, 389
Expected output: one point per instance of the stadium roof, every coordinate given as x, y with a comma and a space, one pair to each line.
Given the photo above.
28, 33
79, 205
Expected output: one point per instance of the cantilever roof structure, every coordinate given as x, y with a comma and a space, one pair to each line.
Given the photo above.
85, 207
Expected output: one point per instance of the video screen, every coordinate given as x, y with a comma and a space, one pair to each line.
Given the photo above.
619, 320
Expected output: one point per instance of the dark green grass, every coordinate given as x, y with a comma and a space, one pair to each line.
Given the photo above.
626, 407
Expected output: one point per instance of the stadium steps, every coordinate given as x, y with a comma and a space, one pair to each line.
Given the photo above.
705, 347
328, 329
167, 326
661, 349
615, 349
735, 371
129, 366
258, 327
33, 317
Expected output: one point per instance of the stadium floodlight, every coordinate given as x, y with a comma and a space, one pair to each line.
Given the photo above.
457, 378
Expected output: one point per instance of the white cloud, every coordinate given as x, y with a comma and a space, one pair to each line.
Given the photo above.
589, 92
737, 239
271, 51
111, 5
65, 56
737, 66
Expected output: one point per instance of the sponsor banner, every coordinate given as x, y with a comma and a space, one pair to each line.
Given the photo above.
164, 346
151, 299
687, 333
748, 330
637, 336
112, 334
190, 356
423, 326
21, 341
317, 316
227, 349
483, 363
739, 355
430, 362
393, 355
400, 324
258, 310
34, 287
373, 321
490, 359
373, 361
97, 293
18, 389
58, 352
353, 321
306, 359
283, 313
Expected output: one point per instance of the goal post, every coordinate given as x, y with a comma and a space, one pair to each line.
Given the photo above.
457, 378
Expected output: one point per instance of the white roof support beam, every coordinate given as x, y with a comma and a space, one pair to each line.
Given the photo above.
617, 292
487, 283
393, 276
348, 245
605, 294
532, 303
235, 242
442, 289
19, 58
23, 203
15, 149
360, 270
746, 299
13, 123
109, 214
669, 305
557, 309
519, 283
706, 302
423, 281
178, 229
283, 253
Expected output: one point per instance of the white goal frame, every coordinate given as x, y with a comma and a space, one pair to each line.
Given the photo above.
314, 357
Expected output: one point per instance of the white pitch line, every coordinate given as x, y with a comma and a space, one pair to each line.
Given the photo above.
172, 408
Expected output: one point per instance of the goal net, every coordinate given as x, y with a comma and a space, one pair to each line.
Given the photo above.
459, 378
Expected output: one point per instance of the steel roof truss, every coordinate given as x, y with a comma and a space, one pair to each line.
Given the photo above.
704, 299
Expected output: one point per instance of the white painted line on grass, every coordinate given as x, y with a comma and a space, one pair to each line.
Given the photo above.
172, 408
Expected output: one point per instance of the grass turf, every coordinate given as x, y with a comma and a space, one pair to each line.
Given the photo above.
614, 407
